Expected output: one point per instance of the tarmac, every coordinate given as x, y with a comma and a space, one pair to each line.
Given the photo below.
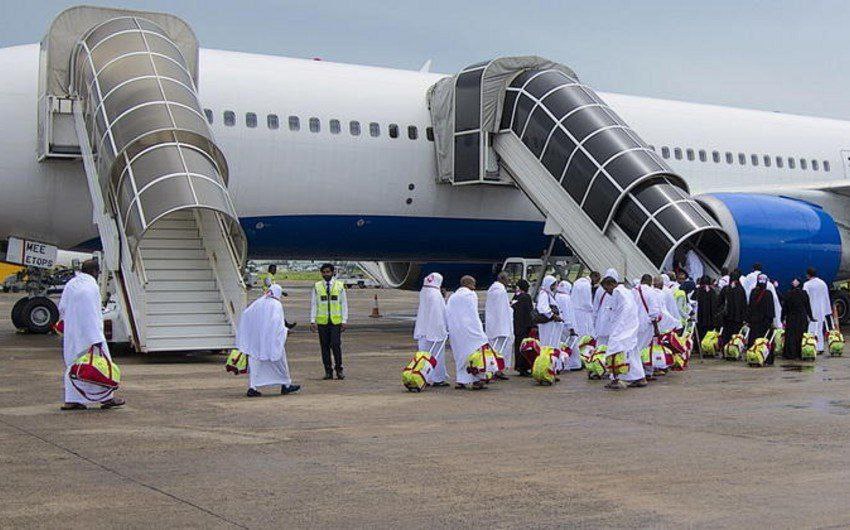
720, 445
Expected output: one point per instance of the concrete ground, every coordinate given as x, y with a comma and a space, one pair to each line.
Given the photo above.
721, 445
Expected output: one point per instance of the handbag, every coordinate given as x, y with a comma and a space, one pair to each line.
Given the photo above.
97, 372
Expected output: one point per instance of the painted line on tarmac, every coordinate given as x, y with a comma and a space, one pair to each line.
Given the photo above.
117, 473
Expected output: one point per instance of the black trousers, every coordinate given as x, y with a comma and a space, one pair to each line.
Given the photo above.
330, 339
520, 362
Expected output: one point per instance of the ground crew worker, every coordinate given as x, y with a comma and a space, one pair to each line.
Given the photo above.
328, 317
268, 279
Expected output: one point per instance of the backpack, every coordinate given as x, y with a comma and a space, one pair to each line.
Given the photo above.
809, 348
543, 370
95, 376
415, 374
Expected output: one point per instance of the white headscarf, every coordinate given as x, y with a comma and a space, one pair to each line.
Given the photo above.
498, 314
565, 303
611, 273
581, 295
431, 314
262, 330
81, 311
465, 330
565, 287
624, 321
545, 298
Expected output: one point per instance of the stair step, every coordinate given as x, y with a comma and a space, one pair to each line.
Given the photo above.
186, 319
181, 214
169, 223
172, 233
177, 264
181, 285
180, 274
160, 244
150, 254
194, 330
154, 297
190, 344
183, 308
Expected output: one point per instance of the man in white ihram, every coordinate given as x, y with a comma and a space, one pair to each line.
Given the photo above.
602, 307
623, 333
568, 331
466, 334
819, 300
262, 336
431, 331
81, 312
499, 321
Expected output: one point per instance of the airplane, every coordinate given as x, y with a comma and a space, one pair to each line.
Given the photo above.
339, 161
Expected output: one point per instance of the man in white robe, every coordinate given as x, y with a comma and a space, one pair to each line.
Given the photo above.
80, 309
547, 306
582, 301
466, 334
431, 330
694, 265
821, 306
749, 282
499, 321
602, 307
261, 336
568, 330
623, 336
648, 302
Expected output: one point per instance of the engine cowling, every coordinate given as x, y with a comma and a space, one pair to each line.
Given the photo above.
409, 275
786, 235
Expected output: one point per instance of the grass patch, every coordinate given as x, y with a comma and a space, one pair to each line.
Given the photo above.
298, 275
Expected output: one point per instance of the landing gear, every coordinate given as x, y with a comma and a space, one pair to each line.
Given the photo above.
841, 302
36, 314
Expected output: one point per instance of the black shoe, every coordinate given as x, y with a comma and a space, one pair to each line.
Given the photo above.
284, 390
253, 393
328, 375
340, 374
440, 384
112, 403
289, 325
73, 406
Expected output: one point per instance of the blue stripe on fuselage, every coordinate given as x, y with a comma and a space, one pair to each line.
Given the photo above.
387, 238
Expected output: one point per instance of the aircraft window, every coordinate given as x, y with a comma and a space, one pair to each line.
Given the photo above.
374, 130
766, 160
272, 121
677, 152
294, 123
779, 161
815, 165
754, 159
665, 152
690, 153
412, 132
826, 165
315, 125
742, 159
209, 114
250, 119
393, 130
354, 128
429, 133
791, 163
803, 164
702, 156
715, 156
729, 158
229, 118
335, 128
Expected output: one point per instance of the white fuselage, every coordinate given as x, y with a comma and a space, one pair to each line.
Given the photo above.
319, 177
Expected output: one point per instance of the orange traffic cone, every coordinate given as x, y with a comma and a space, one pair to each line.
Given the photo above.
376, 313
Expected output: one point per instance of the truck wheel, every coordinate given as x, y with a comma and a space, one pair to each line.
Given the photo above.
841, 301
17, 313
39, 315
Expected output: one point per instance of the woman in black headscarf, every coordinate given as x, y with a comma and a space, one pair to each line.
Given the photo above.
760, 310
708, 306
796, 315
522, 305
733, 306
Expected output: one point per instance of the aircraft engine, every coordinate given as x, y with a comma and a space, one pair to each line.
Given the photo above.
408, 275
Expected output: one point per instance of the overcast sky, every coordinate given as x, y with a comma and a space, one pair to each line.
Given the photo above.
783, 55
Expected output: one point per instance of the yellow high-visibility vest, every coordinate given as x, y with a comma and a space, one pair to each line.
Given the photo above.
328, 307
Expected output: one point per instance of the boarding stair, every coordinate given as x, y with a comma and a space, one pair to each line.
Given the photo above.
598, 185
158, 183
